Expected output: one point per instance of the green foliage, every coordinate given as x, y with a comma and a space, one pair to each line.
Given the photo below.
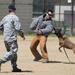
30, 33
1, 33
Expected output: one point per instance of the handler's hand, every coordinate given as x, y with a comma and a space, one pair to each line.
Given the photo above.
39, 32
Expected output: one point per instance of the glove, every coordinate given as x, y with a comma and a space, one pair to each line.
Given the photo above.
39, 32
36, 31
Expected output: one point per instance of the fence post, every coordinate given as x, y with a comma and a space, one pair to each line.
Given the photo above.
59, 11
44, 6
13, 2
72, 17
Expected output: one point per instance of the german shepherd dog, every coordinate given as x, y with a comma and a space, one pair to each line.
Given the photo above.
63, 40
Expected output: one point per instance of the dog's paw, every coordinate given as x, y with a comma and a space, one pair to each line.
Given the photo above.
60, 50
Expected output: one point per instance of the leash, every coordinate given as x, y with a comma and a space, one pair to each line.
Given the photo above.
66, 55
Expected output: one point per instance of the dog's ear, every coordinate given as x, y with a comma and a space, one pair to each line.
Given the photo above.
53, 28
60, 29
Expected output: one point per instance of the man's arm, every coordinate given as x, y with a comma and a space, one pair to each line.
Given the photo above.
17, 25
34, 24
1, 25
48, 29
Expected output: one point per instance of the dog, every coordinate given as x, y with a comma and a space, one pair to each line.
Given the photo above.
63, 40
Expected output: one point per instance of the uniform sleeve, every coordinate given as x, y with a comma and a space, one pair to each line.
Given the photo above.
17, 25
48, 29
1, 25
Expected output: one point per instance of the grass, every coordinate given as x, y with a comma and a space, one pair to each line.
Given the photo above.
1, 33
51, 35
30, 33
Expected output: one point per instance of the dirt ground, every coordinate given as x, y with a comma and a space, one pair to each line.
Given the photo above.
59, 64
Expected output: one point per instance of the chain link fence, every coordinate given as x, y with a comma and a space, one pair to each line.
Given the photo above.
24, 11
28, 10
63, 14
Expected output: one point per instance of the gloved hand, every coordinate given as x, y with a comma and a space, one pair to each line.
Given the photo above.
39, 32
36, 31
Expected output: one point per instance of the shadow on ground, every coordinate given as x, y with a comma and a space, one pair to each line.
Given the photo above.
28, 71
61, 62
68, 62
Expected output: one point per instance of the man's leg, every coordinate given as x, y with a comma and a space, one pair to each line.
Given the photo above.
14, 59
14, 64
33, 48
43, 48
11, 53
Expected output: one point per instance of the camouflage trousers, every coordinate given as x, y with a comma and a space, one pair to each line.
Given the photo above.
11, 54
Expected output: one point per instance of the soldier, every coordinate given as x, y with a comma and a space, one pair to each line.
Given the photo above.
10, 25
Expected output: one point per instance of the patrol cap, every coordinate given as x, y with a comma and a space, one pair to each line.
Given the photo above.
11, 6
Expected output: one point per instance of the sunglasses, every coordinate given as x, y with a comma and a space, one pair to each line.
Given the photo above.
49, 14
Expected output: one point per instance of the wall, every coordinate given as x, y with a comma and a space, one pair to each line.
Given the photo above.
62, 9
24, 11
